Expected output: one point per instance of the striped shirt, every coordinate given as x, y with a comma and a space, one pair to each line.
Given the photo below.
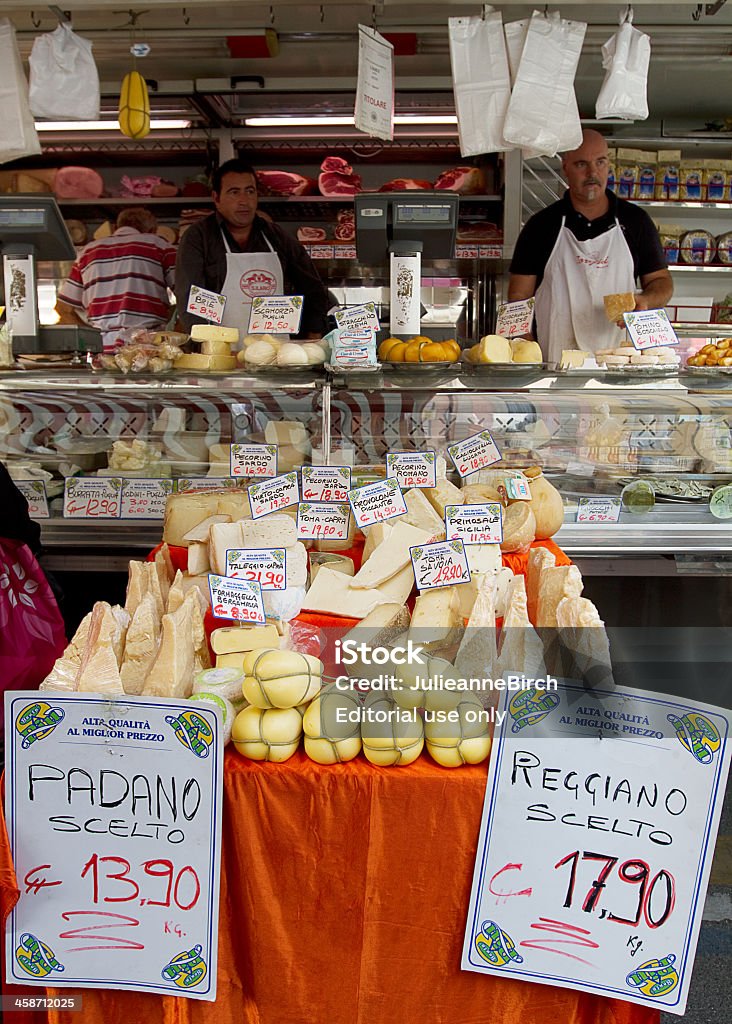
121, 281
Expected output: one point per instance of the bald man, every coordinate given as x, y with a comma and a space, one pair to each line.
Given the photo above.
587, 245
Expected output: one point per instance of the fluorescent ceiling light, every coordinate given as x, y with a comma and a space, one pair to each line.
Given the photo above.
101, 126
326, 122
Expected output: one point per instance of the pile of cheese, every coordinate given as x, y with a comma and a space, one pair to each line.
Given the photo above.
216, 349
261, 350
494, 348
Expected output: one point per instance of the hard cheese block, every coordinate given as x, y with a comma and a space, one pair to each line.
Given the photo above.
390, 556
273, 531
141, 646
421, 514
235, 639
186, 510
210, 332
199, 361
331, 593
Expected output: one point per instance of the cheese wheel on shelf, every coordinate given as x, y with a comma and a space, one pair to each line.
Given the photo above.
280, 679
391, 736
271, 734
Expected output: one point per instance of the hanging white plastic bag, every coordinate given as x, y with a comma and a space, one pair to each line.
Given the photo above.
64, 81
625, 57
515, 33
542, 114
19, 137
481, 82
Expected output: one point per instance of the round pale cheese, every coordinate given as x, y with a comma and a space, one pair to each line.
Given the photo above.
519, 527
423, 686
280, 679
332, 727
460, 736
261, 353
226, 708
314, 352
390, 735
226, 682
292, 355
271, 735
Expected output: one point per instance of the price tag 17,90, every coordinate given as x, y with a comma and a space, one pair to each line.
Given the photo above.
373, 503
474, 453
144, 498
34, 492
254, 460
237, 599
273, 495
275, 314
474, 524
598, 510
412, 469
92, 497
207, 305
267, 566
443, 564
323, 521
325, 483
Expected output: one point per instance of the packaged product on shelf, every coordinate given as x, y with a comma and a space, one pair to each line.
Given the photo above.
670, 236
714, 181
628, 169
668, 182
724, 248
698, 247
646, 176
692, 176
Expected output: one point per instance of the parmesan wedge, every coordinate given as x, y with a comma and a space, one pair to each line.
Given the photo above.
539, 559
390, 556
555, 584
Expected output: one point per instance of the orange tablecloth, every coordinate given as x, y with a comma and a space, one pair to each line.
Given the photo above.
344, 893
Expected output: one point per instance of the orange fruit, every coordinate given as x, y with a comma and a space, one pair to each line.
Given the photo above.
433, 352
453, 348
387, 345
412, 351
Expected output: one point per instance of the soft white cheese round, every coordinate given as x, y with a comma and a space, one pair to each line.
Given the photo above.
291, 354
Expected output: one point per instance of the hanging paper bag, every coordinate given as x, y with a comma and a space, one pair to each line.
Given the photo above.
480, 81
64, 82
625, 57
19, 137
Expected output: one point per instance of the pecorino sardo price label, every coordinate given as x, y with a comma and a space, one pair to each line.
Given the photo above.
323, 521
442, 564
476, 452
237, 599
325, 483
412, 469
376, 502
253, 460
273, 495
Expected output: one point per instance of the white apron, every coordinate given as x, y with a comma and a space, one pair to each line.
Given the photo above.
570, 312
248, 275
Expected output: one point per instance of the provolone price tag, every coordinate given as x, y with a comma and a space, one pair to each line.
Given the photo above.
474, 453
273, 495
515, 318
145, 499
92, 497
237, 599
442, 564
598, 510
254, 460
412, 469
377, 502
323, 521
650, 328
266, 566
474, 524
325, 483
34, 492
275, 314
208, 305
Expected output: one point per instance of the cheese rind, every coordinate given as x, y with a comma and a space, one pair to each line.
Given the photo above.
199, 361
216, 348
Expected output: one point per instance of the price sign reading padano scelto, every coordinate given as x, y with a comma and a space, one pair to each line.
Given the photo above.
114, 817
600, 818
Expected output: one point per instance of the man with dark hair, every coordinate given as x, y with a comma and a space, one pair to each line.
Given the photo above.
120, 283
240, 254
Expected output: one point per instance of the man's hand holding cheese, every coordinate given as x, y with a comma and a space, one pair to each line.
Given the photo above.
586, 246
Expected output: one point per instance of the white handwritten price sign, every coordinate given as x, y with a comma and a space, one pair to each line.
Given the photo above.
34, 492
325, 483
355, 318
650, 328
87, 497
515, 318
208, 305
237, 599
267, 566
600, 817
254, 460
275, 314
481, 523
474, 453
322, 521
144, 498
598, 510
114, 817
273, 495
412, 469
373, 503
205, 483
442, 564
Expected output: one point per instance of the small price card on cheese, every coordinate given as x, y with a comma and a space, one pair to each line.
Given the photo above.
323, 521
87, 497
474, 524
258, 460
208, 305
205, 483
325, 483
144, 498
596, 509
517, 488
275, 314
237, 599
442, 564
515, 318
650, 328
273, 495
474, 453
34, 492
373, 503
355, 318
412, 469
267, 566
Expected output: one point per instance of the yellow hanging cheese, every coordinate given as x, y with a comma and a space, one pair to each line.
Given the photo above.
134, 106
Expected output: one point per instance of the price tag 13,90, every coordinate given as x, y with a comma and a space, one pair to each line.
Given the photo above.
236, 599
598, 510
34, 492
92, 497
144, 498
323, 521
267, 566
440, 565
254, 460
325, 483
474, 453
474, 524
207, 305
412, 469
273, 495
376, 502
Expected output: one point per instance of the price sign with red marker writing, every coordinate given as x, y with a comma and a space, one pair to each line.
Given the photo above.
275, 314
144, 499
34, 492
322, 521
273, 495
237, 599
325, 483
114, 819
374, 503
412, 469
87, 497
266, 566
208, 305
476, 452
442, 564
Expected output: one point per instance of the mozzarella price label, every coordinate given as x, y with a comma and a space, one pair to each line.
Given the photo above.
144, 498
474, 524
273, 495
266, 566
275, 314
208, 305
323, 521
354, 318
412, 469
442, 564
376, 502
515, 318
237, 599
88, 497
325, 483
34, 492
650, 328
474, 453
598, 510
259, 460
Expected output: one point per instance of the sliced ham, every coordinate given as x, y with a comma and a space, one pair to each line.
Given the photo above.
467, 181
308, 234
337, 178
78, 183
405, 185
285, 183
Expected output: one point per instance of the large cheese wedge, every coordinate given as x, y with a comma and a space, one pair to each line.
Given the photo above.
468, 592
519, 527
211, 332
65, 670
200, 532
234, 502
239, 639
397, 589
483, 557
199, 361
176, 594
382, 626
187, 509
461, 739
271, 734
519, 649
296, 565
375, 535
539, 559
555, 584
141, 646
171, 674
164, 563
390, 556
477, 654
137, 585
583, 633
199, 583
330, 593
340, 545
216, 348
421, 514
223, 537
397, 741
443, 494
198, 559
198, 607
280, 679
331, 724
156, 587
99, 667
436, 617
339, 563
287, 432
273, 531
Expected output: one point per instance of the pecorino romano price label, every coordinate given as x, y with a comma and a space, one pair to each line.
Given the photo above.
412, 469
325, 483
376, 502
96, 497
237, 599
144, 498
474, 524
596, 509
275, 314
267, 566
273, 495
34, 492
323, 521
440, 565
474, 453
258, 460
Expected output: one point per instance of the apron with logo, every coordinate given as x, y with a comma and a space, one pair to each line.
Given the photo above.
570, 313
249, 275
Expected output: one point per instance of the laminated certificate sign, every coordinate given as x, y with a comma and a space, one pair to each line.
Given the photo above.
114, 816
599, 823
